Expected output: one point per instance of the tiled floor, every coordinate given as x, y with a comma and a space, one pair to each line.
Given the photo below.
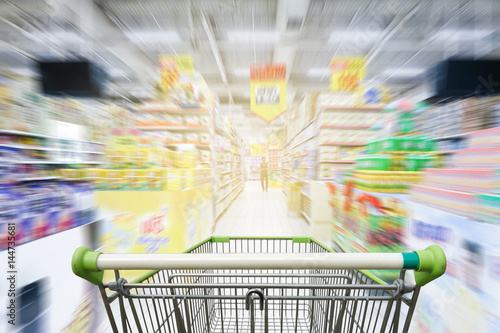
259, 213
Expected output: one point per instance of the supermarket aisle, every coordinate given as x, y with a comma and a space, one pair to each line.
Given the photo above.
258, 213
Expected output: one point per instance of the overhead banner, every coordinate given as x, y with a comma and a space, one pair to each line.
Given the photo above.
173, 66
347, 73
268, 90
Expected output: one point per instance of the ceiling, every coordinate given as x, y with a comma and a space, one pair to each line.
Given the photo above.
400, 38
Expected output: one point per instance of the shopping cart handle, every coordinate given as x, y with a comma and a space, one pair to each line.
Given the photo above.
84, 265
432, 264
428, 264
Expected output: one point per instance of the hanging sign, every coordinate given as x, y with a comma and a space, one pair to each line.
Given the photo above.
347, 73
172, 67
268, 90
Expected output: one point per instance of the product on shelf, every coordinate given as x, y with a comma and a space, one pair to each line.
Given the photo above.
457, 202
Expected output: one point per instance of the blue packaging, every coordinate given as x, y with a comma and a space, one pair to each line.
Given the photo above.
67, 218
9, 216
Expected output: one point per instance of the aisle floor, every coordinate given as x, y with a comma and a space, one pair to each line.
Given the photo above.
258, 213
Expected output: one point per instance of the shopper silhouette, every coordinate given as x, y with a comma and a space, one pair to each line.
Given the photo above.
264, 175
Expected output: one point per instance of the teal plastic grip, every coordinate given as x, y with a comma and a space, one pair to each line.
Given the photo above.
432, 264
84, 265
410, 261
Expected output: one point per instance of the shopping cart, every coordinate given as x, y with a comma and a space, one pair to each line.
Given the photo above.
259, 285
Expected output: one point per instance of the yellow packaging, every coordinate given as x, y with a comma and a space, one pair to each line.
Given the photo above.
173, 179
115, 179
155, 179
93, 176
122, 158
131, 179
80, 174
68, 174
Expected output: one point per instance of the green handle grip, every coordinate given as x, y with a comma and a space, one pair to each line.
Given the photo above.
432, 264
84, 265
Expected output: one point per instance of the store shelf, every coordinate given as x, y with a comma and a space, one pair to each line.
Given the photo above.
306, 217
52, 162
227, 194
229, 204
176, 110
299, 179
229, 182
35, 135
453, 136
344, 144
298, 133
304, 194
302, 142
30, 179
223, 173
173, 128
337, 162
207, 147
340, 127
351, 108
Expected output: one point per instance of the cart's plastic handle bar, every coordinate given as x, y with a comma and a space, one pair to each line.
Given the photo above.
428, 264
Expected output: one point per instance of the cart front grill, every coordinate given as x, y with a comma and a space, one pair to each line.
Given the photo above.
258, 300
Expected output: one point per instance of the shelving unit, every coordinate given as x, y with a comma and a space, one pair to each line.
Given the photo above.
228, 166
181, 126
330, 140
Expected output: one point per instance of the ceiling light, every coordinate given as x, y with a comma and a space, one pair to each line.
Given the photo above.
403, 72
251, 36
154, 36
461, 34
365, 37
318, 72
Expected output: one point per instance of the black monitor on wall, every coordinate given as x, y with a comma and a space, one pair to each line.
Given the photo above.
71, 78
461, 78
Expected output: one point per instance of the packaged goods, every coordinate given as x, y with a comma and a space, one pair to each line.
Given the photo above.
204, 121
9, 217
192, 138
192, 121
155, 180
204, 139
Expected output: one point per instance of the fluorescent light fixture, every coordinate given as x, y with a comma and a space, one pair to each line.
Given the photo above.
403, 72
242, 72
318, 72
365, 37
154, 36
249, 36
461, 34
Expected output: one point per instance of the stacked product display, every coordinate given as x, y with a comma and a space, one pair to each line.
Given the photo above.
469, 184
274, 158
344, 133
176, 126
40, 138
301, 146
228, 168
394, 163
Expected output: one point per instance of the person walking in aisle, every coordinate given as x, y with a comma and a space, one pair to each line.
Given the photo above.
264, 175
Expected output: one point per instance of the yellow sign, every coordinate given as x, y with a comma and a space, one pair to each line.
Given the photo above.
124, 141
268, 91
171, 67
154, 221
347, 73
185, 64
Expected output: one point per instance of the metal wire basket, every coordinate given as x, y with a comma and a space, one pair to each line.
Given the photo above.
259, 285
